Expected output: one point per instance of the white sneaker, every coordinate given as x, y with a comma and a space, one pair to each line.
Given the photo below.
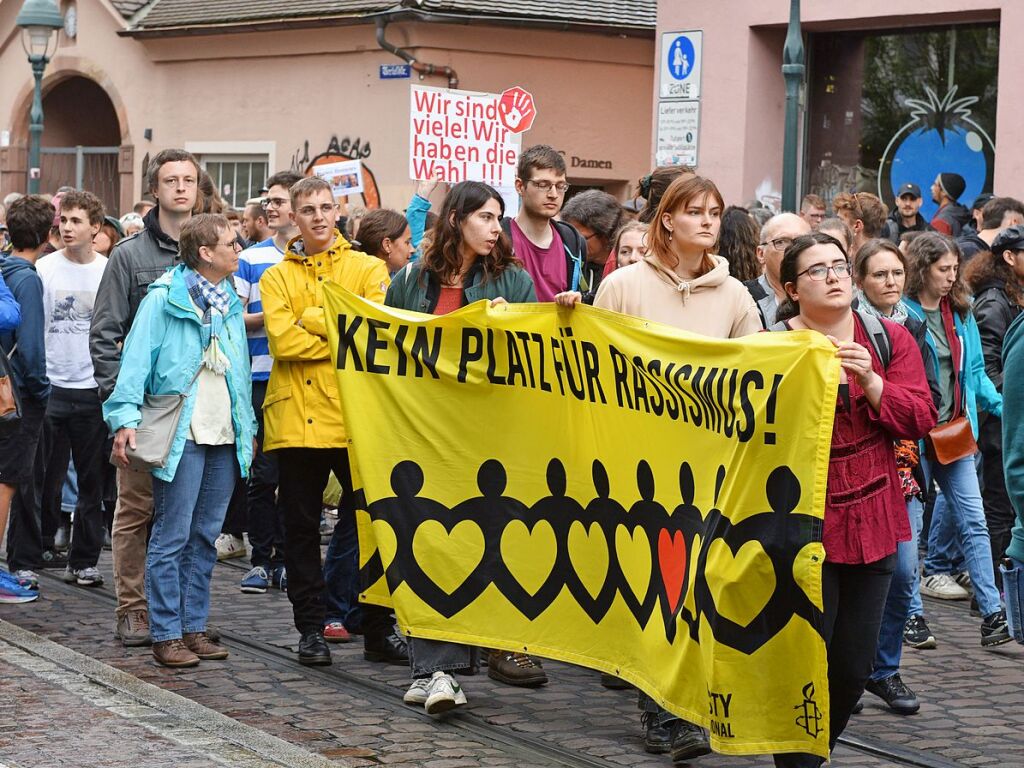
964, 580
417, 693
229, 547
942, 586
443, 693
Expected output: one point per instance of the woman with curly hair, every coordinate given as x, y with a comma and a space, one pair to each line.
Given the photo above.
936, 294
996, 278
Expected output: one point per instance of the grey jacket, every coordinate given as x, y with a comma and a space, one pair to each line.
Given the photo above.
133, 265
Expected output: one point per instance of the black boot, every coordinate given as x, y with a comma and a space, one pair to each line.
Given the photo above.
313, 650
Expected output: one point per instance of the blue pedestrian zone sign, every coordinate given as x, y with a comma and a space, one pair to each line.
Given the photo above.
681, 58
679, 76
395, 71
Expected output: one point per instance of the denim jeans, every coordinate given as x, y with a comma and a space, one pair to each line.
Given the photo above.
188, 513
903, 593
915, 508
428, 656
341, 568
960, 508
1013, 583
853, 596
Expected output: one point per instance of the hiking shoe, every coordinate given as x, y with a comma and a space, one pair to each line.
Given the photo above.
61, 538
994, 630
12, 592
417, 693
335, 632
515, 669
230, 547
174, 653
916, 633
27, 579
443, 693
83, 577
657, 735
688, 741
964, 580
256, 581
279, 577
942, 586
201, 645
133, 629
894, 692
54, 559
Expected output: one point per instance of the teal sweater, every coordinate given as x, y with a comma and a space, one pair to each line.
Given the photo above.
1013, 429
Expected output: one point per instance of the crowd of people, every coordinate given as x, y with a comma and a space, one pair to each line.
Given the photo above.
172, 377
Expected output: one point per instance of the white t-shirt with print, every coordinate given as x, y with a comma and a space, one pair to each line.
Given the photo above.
69, 294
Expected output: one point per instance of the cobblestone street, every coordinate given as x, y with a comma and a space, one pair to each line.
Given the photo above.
60, 662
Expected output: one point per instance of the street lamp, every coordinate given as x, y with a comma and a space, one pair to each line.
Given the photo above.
38, 20
793, 73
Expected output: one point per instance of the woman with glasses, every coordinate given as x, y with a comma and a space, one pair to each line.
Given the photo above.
188, 338
880, 272
938, 297
879, 401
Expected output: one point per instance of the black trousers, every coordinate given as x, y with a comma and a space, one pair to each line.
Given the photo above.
266, 513
235, 517
74, 421
999, 514
303, 478
24, 530
854, 598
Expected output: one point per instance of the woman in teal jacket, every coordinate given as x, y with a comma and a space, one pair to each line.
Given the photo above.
1013, 466
939, 298
189, 338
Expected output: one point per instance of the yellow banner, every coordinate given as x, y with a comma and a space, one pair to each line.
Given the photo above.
602, 490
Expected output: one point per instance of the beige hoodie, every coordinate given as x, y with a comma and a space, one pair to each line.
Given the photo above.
714, 304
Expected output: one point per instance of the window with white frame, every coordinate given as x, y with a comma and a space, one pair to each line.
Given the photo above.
237, 177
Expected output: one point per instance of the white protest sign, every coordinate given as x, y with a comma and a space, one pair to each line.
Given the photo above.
345, 178
468, 136
679, 73
678, 129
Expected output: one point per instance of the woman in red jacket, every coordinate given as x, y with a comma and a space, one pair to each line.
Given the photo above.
865, 516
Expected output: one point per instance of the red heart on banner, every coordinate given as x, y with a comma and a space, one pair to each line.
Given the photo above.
672, 561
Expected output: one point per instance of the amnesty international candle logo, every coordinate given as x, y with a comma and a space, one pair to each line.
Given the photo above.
602, 490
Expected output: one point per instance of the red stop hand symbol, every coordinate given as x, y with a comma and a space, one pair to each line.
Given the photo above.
516, 109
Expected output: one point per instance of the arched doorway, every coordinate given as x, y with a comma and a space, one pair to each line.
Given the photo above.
81, 136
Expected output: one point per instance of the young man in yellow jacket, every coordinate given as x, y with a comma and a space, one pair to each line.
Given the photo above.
303, 419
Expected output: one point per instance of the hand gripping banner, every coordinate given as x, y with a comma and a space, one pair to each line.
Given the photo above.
602, 490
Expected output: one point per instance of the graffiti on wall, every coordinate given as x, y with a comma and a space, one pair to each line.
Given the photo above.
337, 151
940, 137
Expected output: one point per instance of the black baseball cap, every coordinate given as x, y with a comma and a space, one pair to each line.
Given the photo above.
909, 189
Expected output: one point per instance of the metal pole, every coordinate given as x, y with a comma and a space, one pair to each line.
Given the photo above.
793, 73
79, 167
35, 127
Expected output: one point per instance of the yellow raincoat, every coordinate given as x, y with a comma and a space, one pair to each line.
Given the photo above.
301, 409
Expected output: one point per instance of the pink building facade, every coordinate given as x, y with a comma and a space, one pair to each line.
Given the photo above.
251, 96
894, 92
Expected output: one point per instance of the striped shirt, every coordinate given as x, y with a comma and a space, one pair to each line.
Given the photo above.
252, 263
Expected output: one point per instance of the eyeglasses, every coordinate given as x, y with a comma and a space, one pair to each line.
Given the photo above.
884, 275
779, 243
273, 202
230, 244
545, 186
819, 272
818, 217
309, 211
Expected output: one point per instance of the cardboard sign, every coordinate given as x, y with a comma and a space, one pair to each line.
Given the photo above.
345, 178
468, 136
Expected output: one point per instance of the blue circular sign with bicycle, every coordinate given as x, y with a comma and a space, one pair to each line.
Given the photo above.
680, 58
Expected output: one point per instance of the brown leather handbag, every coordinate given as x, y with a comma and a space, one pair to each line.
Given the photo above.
10, 404
951, 441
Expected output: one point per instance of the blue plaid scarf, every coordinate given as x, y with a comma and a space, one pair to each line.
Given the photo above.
214, 302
